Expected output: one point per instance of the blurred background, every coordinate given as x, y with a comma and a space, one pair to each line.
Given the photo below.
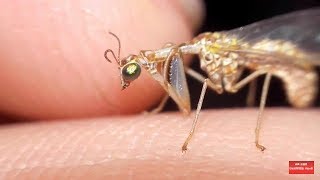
229, 14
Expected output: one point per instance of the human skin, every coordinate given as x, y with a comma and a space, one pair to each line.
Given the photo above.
52, 68
149, 147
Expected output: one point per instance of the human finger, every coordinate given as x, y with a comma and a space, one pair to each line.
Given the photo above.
149, 147
52, 63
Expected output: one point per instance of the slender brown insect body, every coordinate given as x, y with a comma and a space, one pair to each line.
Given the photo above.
286, 46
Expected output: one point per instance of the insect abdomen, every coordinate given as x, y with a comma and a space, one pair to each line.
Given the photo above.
301, 86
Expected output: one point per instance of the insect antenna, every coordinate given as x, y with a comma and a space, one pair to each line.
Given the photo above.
117, 58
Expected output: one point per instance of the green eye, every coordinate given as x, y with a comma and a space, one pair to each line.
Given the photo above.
131, 71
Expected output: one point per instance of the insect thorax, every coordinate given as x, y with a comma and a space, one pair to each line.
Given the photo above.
220, 65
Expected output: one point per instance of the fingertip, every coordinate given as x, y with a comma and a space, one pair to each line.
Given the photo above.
60, 72
149, 147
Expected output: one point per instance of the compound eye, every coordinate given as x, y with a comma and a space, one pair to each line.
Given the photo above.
131, 71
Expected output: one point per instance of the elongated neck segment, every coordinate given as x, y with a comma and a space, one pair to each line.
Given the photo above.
190, 48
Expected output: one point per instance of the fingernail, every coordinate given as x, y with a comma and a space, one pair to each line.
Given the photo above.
194, 10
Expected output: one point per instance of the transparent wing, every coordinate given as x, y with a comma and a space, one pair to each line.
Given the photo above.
301, 28
267, 58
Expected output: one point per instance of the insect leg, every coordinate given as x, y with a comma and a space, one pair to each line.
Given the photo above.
235, 87
174, 79
160, 106
195, 120
173, 51
251, 97
243, 82
197, 76
164, 100
263, 99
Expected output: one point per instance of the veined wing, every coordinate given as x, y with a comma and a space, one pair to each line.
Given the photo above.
263, 57
301, 28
